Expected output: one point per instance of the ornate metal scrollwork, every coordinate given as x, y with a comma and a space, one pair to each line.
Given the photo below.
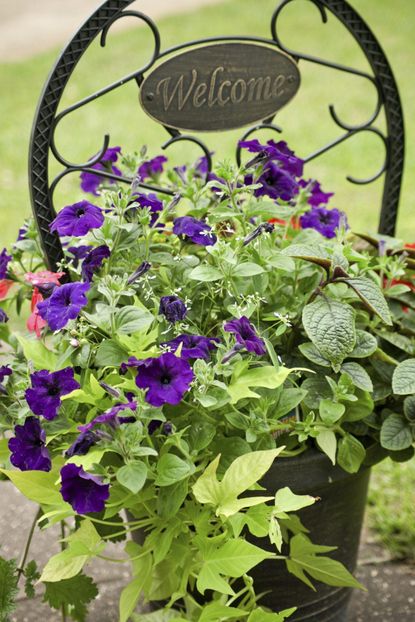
98, 25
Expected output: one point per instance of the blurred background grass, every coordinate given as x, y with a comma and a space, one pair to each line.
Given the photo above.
306, 122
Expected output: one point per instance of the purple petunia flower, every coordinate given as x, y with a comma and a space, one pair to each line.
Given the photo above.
4, 262
278, 152
152, 202
317, 196
167, 379
323, 220
64, 304
132, 362
77, 219
44, 397
194, 230
276, 183
90, 182
193, 346
82, 444
21, 234
173, 308
78, 253
152, 167
111, 417
139, 272
5, 371
85, 492
29, 452
93, 261
3, 317
246, 335
155, 424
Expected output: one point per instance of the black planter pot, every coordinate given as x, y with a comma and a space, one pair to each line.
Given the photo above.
335, 520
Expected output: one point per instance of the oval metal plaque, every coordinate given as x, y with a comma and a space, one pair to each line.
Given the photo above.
220, 87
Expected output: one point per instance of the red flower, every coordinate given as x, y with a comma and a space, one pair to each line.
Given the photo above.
294, 222
35, 323
410, 245
43, 277
5, 285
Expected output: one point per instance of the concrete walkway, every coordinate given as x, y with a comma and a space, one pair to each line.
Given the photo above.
390, 596
31, 26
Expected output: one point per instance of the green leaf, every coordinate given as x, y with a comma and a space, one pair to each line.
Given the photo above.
233, 559
409, 408
109, 353
350, 454
131, 319
31, 575
330, 411
247, 269
267, 377
132, 476
366, 345
37, 486
243, 473
304, 558
312, 353
8, 588
205, 273
201, 433
372, 297
361, 408
82, 545
216, 611
74, 593
327, 442
4, 450
358, 374
35, 351
101, 318
330, 326
172, 469
257, 519
170, 498
289, 399
132, 592
396, 433
403, 379
287, 501
314, 254
260, 615
399, 341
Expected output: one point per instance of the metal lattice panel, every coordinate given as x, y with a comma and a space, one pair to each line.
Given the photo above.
47, 119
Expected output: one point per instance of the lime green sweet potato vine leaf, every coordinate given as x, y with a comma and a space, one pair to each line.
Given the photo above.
243, 473
233, 559
243, 378
82, 545
304, 558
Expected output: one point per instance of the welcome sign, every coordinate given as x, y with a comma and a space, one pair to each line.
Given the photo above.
220, 87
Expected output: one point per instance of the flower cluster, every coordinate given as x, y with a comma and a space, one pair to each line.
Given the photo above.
204, 324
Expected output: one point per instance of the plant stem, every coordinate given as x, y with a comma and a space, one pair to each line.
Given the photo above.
63, 547
25, 553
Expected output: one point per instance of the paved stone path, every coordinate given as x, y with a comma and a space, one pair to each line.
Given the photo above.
390, 596
31, 26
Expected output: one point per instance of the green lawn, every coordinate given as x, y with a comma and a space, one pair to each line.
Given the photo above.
305, 121
391, 507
